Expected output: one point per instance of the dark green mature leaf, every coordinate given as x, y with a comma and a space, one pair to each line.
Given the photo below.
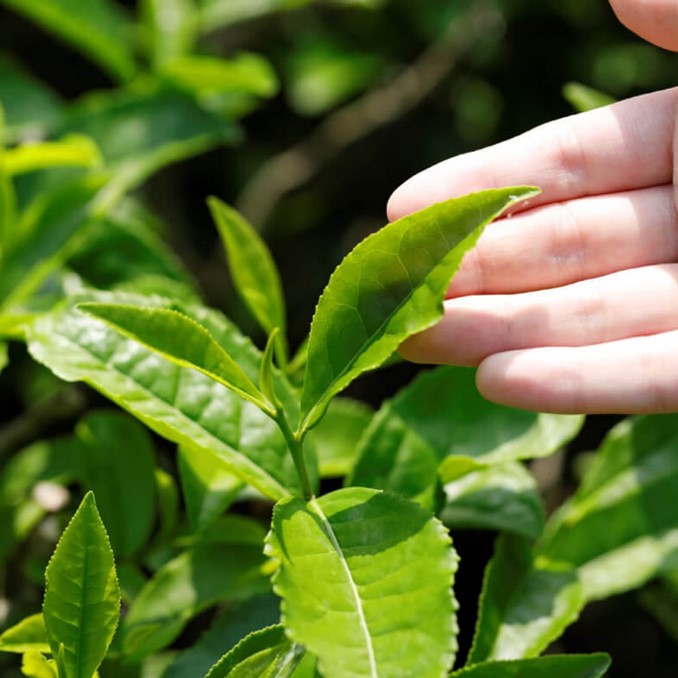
252, 267
121, 476
267, 653
208, 483
525, 605
337, 435
82, 598
181, 340
170, 28
389, 287
616, 530
500, 497
355, 597
233, 625
179, 404
29, 635
31, 109
192, 582
441, 424
568, 666
98, 28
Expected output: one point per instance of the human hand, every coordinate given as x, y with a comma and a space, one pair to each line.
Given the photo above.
571, 303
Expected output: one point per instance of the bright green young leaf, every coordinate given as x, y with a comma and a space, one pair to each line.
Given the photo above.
4, 355
524, 605
31, 109
267, 653
208, 484
49, 231
121, 476
178, 403
252, 267
389, 287
567, 666
232, 626
616, 530
182, 341
74, 150
583, 98
500, 497
441, 424
170, 27
29, 635
356, 597
98, 28
337, 434
82, 598
192, 582
35, 665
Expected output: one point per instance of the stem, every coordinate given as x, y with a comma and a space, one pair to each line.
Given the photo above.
295, 443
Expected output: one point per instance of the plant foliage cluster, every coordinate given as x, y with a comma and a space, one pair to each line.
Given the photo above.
195, 502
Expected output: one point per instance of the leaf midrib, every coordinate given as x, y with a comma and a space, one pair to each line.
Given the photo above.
329, 532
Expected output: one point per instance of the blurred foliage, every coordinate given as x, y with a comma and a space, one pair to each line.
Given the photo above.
304, 114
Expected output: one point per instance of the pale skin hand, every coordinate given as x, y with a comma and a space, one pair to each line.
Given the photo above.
571, 303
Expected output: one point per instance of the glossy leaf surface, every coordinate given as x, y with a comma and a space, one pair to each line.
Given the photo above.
98, 28
569, 666
252, 267
181, 340
355, 598
29, 635
121, 476
178, 403
389, 287
82, 598
267, 653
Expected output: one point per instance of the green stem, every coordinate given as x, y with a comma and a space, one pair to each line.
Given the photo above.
295, 443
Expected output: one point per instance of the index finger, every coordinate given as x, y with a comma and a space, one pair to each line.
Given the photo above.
624, 146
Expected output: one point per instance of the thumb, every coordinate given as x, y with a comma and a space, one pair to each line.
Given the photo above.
654, 20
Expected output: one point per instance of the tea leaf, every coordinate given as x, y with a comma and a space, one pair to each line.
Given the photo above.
525, 605
29, 635
192, 582
389, 287
82, 598
178, 403
583, 98
252, 267
98, 28
266, 653
170, 28
4, 355
568, 666
355, 597
74, 150
34, 665
181, 340
121, 476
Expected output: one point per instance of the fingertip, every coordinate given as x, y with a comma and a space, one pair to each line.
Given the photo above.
654, 20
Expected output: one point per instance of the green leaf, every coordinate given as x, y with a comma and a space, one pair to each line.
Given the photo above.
121, 476
503, 497
337, 435
170, 27
583, 98
29, 635
31, 108
252, 267
266, 653
389, 287
34, 665
616, 530
355, 597
4, 355
441, 424
74, 150
168, 503
228, 629
524, 605
568, 666
98, 28
182, 341
82, 598
192, 582
7, 196
217, 13
178, 403
208, 483
267, 370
